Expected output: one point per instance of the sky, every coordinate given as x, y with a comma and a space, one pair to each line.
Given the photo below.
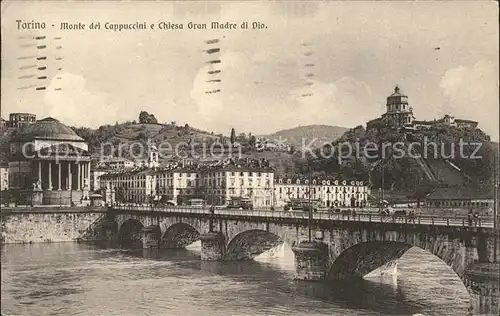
443, 55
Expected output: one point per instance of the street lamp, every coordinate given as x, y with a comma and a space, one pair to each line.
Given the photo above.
310, 206
151, 191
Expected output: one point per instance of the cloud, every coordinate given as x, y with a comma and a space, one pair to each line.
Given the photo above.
342, 102
74, 103
472, 92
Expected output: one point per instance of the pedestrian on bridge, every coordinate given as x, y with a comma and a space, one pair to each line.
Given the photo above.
412, 216
476, 218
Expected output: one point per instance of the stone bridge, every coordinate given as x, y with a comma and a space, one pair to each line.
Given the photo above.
335, 246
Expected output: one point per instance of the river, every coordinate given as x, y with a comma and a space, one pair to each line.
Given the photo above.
77, 279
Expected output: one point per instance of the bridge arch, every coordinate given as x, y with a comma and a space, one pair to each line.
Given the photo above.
359, 259
179, 235
129, 233
251, 243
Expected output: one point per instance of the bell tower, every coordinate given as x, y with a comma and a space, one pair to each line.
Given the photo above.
153, 159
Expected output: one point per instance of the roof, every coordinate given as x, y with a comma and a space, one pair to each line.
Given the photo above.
465, 121
47, 128
22, 113
458, 193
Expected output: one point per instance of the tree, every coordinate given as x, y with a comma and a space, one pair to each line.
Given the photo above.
252, 140
143, 117
233, 136
152, 119
186, 126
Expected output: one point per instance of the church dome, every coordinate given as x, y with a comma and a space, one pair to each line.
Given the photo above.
397, 93
49, 129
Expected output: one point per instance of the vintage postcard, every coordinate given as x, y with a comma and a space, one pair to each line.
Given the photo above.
249, 158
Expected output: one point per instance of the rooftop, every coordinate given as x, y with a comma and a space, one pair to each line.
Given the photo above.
397, 92
459, 193
47, 128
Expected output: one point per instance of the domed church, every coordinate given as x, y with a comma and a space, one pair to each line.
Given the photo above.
49, 164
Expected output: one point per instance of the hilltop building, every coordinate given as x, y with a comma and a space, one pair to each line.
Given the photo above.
3, 124
49, 164
400, 115
21, 119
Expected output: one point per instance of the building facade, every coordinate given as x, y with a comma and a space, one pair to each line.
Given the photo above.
136, 186
49, 164
95, 177
329, 192
447, 120
457, 197
216, 186
4, 177
3, 124
216, 183
227, 182
20, 119
114, 163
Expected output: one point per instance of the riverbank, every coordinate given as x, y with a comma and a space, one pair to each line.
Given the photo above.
46, 225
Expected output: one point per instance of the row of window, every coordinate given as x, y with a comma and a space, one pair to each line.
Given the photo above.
358, 196
458, 204
323, 182
325, 189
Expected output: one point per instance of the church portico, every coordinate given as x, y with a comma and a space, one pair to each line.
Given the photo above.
62, 175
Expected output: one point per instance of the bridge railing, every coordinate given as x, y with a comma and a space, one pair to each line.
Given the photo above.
358, 217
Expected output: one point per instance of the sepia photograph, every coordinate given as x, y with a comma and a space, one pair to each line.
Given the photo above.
242, 158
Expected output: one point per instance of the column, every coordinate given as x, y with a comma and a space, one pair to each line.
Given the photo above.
311, 261
79, 169
39, 171
88, 175
212, 246
50, 175
59, 176
70, 179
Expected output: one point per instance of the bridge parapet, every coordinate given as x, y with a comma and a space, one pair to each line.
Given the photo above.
372, 217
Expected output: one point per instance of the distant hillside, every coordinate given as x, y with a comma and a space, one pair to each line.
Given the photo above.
409, 174
294, 136
119, 137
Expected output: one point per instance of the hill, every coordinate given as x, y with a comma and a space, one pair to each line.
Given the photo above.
409, 173
122, 139
320, 133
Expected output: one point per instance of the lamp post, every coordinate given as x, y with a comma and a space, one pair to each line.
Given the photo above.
151, 191
310, 206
